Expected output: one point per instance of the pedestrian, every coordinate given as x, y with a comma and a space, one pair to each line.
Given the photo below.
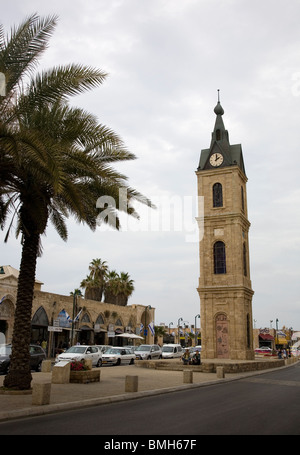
186, 357
196, 358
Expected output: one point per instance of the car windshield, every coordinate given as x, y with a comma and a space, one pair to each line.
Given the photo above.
76, 350
5, 350
113, 351
143, 347
167, 349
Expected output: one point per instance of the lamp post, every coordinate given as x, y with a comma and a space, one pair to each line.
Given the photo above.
197, 316
178, 323
277, 331
171, 323
145, 328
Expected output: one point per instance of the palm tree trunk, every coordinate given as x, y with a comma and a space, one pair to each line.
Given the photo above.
19, 375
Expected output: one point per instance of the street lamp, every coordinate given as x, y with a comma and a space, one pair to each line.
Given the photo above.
145, 328
197, 316
171, 323
178, 323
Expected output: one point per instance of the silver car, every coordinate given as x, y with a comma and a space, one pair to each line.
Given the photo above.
148, 351
117, 356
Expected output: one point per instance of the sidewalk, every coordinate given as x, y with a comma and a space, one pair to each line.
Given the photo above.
111, 388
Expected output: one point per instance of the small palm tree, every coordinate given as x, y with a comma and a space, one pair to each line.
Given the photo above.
125, 289
54, 163
111, 287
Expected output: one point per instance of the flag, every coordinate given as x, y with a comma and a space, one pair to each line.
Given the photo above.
141, 327
77, 317
151, 327
66, 315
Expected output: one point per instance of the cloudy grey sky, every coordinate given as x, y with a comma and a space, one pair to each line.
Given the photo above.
166, 59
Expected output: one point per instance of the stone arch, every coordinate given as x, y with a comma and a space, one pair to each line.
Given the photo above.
7, 312
39, 326
100, 319
40, 317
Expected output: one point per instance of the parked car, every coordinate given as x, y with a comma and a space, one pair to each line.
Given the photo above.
103, 347
37, 355
148, 351
118, 356
171, 351
80, 353
131, 348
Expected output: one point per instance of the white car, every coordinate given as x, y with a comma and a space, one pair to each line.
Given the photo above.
171, 351
148, 351
82, 352
117, 356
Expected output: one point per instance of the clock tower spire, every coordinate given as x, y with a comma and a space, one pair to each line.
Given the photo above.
224, 283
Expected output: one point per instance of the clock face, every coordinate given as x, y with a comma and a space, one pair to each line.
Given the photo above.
216, 159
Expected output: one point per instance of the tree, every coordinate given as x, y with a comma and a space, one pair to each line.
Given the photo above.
94, 282
54, 163
111, 287
118, 288
125, 289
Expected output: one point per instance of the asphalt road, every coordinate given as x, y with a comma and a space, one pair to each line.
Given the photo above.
267, 404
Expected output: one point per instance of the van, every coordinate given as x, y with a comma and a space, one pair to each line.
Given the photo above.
171, 351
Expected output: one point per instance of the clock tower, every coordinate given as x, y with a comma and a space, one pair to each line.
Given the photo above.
224, 284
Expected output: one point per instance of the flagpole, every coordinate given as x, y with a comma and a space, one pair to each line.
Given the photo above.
72, 330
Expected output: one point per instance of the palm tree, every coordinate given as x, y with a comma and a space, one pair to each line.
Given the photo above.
92, 287
111, 287
94, 282
118, 288
54, 163
126, 288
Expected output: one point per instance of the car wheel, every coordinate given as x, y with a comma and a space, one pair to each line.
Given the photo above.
131, 362
38, 367
149, 357
99, 363
118, 362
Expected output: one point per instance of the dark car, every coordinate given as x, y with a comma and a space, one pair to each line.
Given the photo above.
37, 355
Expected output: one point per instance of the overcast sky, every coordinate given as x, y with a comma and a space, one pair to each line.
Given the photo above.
166, 59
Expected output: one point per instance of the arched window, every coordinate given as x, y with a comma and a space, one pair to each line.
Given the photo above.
219, 258
242, 198
40, 317
217, 195
245, 259
218, 135
100, 319
85, 318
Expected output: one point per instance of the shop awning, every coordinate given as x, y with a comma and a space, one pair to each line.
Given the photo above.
266, 337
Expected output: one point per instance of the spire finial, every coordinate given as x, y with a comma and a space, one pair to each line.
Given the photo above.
218, 109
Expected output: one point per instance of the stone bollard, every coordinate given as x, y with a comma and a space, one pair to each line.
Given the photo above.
220, 373
46, 366
188, 377
131, 383
61, 373
41, 393
88, 363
